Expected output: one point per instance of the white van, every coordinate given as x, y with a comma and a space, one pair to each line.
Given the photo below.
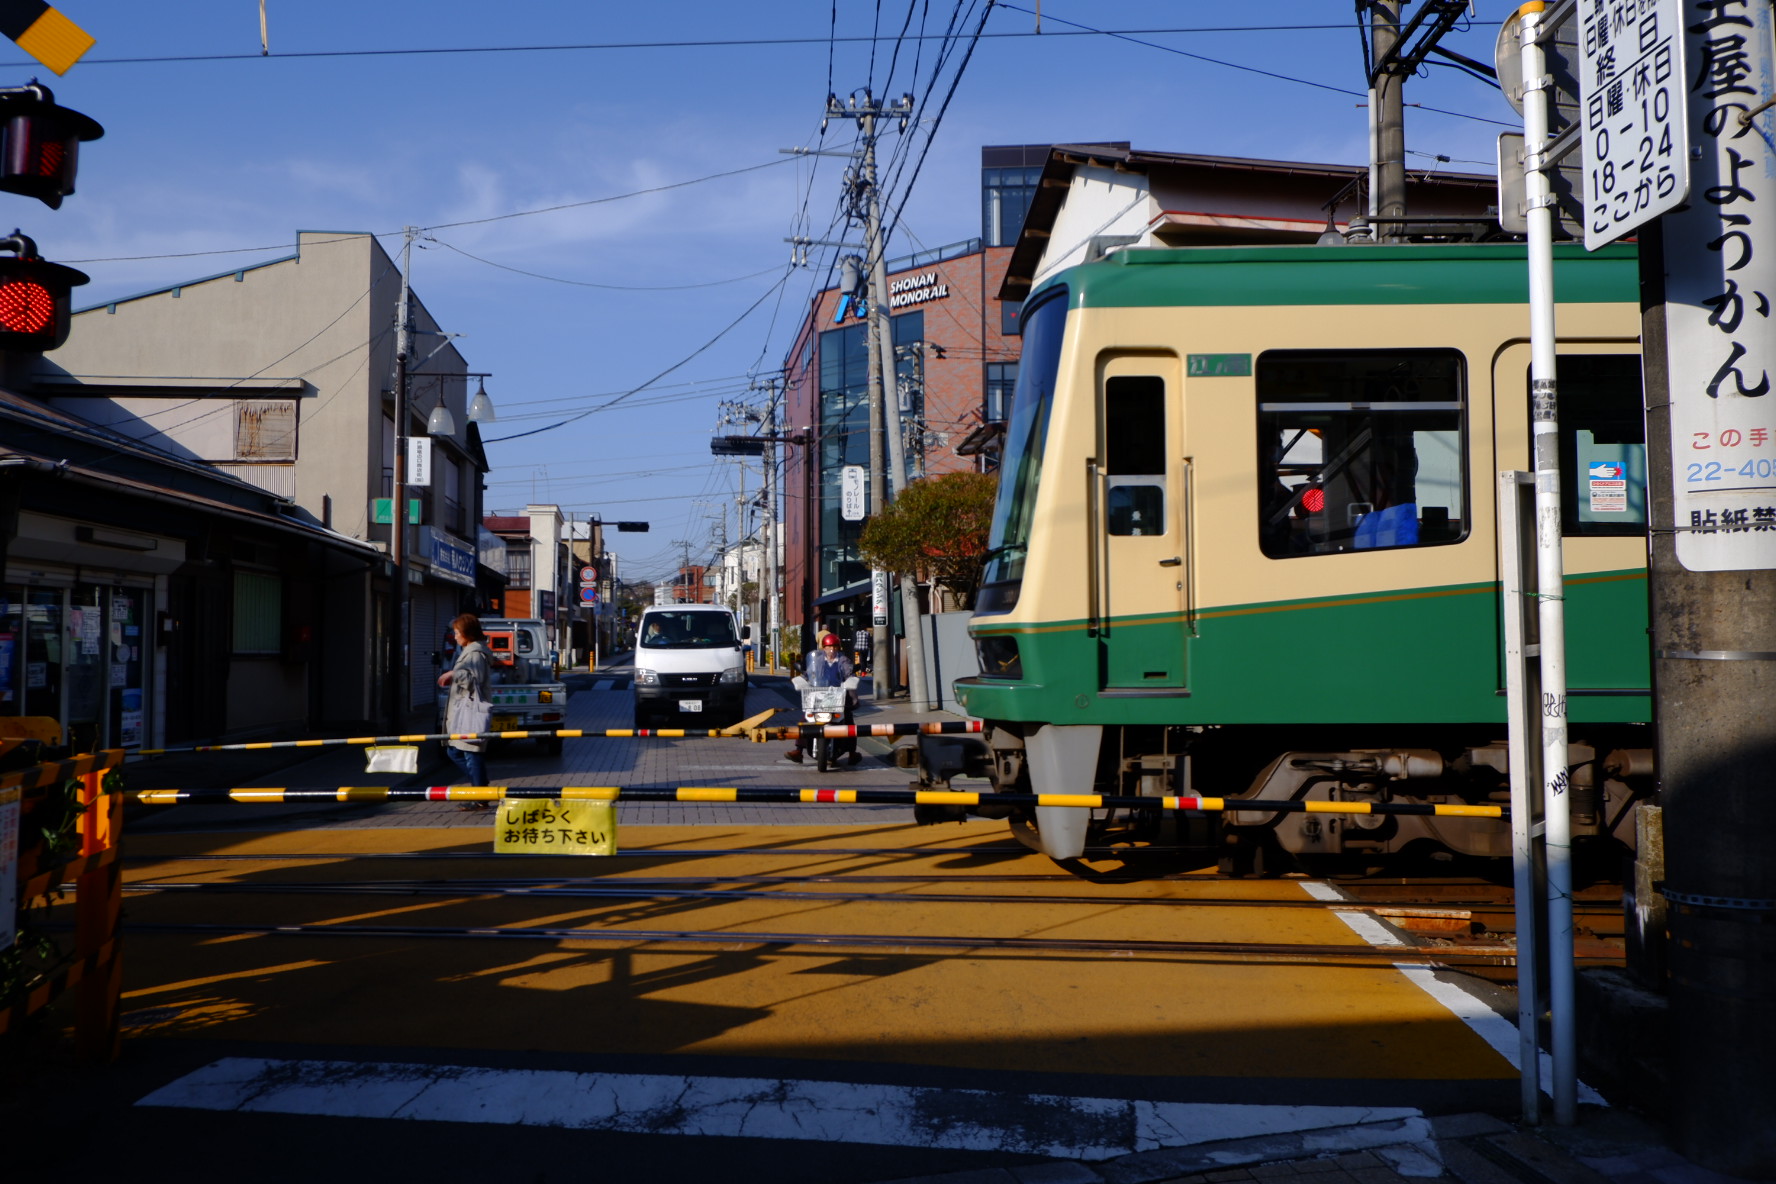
690, 662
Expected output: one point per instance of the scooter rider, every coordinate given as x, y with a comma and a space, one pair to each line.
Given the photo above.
827, 667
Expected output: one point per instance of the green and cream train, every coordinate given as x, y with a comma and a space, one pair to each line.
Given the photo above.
1246, 541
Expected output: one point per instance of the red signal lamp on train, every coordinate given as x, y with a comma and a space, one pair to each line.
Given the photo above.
40, 143
34, 298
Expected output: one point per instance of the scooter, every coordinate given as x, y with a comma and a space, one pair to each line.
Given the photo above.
825, 705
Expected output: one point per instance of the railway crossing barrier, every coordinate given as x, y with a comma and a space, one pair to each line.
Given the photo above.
744, 731
92, 967
859, 797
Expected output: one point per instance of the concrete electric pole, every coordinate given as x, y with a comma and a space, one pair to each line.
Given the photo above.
398, 695
884, 412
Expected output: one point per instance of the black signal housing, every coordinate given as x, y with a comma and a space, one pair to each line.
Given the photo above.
40, 143
35, 298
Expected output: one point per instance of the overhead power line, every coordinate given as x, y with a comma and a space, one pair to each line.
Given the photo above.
706, 43
1135, 40
662, 374
572, 205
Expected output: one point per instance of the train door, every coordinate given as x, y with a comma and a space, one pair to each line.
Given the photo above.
1141, 556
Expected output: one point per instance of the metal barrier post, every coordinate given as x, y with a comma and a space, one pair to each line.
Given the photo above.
1523, 701
98, 910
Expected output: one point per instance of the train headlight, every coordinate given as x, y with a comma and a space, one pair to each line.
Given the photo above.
999, 657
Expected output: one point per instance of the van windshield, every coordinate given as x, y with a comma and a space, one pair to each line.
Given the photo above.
687, 631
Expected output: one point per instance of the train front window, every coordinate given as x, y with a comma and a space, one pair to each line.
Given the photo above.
1360, 450
1020, 468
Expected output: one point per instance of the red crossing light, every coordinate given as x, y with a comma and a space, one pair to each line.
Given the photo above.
34, 298
40, 143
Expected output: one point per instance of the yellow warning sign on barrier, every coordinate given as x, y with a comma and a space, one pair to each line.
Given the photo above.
554, 827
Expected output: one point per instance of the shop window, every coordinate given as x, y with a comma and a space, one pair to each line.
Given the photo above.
258, 613
1360, 450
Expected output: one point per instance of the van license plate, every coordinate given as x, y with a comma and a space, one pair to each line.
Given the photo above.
503, 723
690, 705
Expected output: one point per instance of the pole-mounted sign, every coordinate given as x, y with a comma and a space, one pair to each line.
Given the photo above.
44, 33
1632, 92
1720, 264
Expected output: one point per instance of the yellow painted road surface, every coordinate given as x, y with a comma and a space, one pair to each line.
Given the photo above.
1124, 1012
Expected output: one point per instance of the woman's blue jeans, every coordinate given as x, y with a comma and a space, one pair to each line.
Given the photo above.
472, 763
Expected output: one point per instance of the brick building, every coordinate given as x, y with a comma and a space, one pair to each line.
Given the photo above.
956, 351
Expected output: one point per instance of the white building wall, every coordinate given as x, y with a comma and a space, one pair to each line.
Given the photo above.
1100, 202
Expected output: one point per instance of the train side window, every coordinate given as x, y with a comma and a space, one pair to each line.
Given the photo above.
1134, 454
1603, 478
1360, 450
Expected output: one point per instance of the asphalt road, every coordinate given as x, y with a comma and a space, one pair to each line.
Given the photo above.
476, 1057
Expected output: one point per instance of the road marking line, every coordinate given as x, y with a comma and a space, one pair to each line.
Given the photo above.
767, 1108
1499, 1033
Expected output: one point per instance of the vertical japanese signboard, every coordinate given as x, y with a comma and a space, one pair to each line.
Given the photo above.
1632, 92
853, 495
1720, 263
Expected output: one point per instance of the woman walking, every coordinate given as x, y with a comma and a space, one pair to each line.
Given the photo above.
470, 708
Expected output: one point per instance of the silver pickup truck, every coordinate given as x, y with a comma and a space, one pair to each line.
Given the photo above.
527, 697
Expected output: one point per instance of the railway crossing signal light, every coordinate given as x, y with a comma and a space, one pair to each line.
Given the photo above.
40, 143
34, 298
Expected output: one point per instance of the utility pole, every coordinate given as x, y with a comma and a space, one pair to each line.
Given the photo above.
884, 413
772, 600
1709, 359
1395, 53
1387, 123
398, 695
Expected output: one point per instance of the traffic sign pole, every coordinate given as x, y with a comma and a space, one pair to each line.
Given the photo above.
1550, 565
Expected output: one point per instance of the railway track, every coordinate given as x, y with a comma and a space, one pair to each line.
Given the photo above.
1459, 922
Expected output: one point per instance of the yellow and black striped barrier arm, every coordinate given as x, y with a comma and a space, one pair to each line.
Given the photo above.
830, 731
859, 797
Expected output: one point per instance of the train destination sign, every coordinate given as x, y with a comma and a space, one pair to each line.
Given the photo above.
1632, 92
1720, 263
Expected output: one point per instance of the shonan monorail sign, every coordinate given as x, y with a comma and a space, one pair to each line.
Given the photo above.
909, 290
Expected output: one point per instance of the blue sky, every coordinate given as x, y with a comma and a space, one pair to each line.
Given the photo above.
216, 160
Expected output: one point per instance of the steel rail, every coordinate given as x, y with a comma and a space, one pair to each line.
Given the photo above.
1355, 955
730, 795
641, 891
